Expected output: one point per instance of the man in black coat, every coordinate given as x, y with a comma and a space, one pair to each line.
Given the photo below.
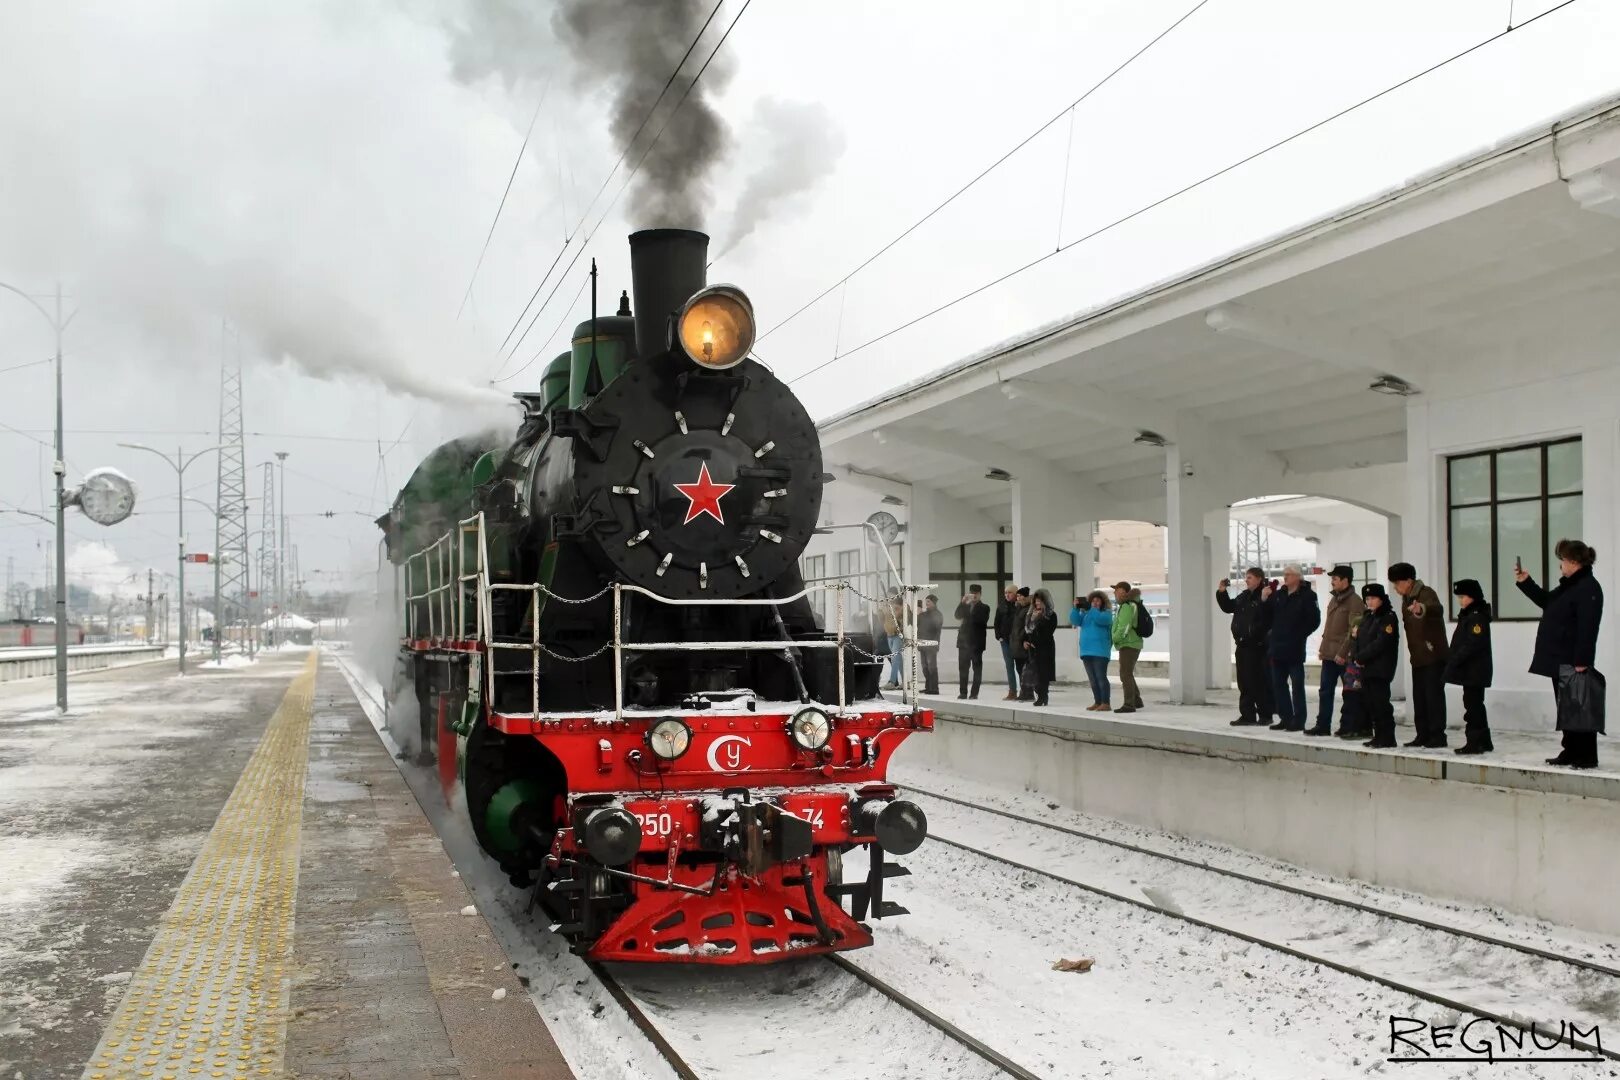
1006, 611
1295, 616
1251, 626
1566, 638
1377, 648
930, 624
1468, 663
973, 618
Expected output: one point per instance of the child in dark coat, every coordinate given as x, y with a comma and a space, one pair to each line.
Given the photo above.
1377, 647
1468, 664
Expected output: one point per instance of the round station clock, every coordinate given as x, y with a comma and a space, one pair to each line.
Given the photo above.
107, 496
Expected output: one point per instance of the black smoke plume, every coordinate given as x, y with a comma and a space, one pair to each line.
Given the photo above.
631, 48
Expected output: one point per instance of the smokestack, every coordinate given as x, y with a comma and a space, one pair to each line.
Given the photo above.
666, 268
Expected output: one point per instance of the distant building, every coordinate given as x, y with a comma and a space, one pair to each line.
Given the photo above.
1131, 551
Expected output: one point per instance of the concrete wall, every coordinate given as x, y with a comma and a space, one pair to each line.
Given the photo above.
1518, 849
34, 664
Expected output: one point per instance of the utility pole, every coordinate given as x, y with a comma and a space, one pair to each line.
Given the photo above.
149, 607
267, 540
281, 546
59, 467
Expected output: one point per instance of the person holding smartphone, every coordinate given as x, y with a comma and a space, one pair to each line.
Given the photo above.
1566, 644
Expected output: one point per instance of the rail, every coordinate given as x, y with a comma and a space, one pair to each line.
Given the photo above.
449, 600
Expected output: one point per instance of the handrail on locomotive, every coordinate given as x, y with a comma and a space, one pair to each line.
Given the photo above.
445, 580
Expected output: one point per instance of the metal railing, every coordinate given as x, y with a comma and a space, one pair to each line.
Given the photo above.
442, 591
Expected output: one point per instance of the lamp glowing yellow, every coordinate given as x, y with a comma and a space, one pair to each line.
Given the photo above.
717, 327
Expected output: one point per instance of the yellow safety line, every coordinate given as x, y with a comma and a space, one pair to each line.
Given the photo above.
210, 998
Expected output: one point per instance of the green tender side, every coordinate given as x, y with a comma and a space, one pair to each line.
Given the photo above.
502, 805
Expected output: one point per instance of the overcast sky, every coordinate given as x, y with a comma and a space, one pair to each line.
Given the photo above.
323, 175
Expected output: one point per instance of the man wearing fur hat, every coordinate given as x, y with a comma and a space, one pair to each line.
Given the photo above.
1468, 665
1425, 624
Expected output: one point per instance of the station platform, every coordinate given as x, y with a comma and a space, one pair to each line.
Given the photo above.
226, 876
1500, 828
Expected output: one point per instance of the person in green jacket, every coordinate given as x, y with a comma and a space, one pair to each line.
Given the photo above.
1128, 643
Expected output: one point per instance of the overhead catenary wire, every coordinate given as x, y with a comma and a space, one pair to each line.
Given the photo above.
516, 163
626, 185
608, 179
1156, 203
567, 314
990, 168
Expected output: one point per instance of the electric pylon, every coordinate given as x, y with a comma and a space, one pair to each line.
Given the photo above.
231, 526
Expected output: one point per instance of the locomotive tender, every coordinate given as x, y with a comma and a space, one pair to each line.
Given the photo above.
614, 653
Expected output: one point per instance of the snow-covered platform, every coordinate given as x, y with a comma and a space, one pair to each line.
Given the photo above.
1501, 828
225, 875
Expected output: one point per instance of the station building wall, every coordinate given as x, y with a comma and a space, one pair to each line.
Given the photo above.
1518, 394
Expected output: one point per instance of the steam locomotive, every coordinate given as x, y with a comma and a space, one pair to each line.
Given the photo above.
615, 657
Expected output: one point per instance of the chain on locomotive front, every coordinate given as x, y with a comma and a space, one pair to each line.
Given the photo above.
615, 655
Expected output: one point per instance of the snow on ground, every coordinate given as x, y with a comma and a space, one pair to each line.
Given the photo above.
1482, 919
74, 819
1489, 977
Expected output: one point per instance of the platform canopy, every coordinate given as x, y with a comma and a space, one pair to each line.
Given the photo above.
1470, 309
1262, 365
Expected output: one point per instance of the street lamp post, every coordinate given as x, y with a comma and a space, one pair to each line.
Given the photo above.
179, 463
59, 467
281, 544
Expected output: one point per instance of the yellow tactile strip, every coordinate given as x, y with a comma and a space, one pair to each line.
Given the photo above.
210, 998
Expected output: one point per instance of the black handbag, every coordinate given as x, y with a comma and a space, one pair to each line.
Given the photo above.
1580, 699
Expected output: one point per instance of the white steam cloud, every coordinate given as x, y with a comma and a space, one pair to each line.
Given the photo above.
300, 170
800, 147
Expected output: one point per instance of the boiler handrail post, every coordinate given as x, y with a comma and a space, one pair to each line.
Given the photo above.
618, 654
839, 604
534, 654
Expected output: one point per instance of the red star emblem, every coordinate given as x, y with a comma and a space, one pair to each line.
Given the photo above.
704, 496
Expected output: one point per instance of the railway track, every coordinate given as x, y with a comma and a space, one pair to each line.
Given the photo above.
1395, 984
685, 1070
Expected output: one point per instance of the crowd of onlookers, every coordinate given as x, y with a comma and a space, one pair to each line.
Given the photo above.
1272, 623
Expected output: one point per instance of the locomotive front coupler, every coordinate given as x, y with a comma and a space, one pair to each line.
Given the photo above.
755, 835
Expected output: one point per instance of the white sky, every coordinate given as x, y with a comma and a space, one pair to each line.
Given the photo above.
315, 173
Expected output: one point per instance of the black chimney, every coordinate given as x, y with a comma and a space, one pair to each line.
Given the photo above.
666, 268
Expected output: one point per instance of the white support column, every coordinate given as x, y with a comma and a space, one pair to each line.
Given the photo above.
1031, 500
1395, 543
922, 533
1217, 530
1190, 469
1085, 561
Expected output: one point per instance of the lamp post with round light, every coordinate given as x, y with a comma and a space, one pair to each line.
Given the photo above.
179, 463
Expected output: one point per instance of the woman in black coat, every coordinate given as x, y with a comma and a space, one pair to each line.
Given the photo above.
1377, 646
1468, 663
1040, 644
1566, 641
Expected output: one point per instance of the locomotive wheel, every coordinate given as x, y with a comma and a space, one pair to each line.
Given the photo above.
512, 786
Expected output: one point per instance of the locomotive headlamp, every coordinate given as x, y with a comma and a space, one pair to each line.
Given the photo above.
669, 739
810, 729
717, 326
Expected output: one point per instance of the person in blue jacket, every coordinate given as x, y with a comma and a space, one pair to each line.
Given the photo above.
1096, 625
